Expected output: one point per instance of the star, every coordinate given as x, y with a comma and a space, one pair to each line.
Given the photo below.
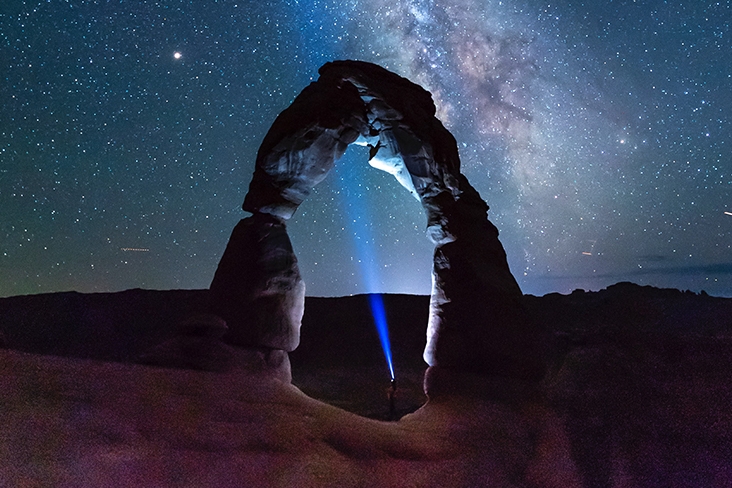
177, 55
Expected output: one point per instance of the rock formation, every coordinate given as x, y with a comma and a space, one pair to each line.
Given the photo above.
197, 345
477, 323
257, 287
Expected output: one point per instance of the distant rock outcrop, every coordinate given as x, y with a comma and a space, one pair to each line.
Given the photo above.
477, 322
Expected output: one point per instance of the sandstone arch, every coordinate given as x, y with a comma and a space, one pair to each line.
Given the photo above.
476, 324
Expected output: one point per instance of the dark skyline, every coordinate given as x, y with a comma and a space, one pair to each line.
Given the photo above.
597, 132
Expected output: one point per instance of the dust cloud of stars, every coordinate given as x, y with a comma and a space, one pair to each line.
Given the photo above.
598, 132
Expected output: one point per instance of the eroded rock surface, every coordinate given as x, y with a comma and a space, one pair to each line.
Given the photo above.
477, 322
257, 287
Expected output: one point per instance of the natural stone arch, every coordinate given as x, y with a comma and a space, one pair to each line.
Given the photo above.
477, 323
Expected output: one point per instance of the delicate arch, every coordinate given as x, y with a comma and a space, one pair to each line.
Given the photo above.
476, 320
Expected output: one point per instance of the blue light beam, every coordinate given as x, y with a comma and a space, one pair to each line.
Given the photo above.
379, 313
358, 220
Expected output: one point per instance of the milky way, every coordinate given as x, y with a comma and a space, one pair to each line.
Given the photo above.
598, 134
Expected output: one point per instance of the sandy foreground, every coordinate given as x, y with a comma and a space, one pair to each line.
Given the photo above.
638, 394
70, 422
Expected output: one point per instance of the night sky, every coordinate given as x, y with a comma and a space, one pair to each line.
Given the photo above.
598, 132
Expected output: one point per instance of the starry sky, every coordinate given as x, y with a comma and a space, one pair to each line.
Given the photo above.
598, 132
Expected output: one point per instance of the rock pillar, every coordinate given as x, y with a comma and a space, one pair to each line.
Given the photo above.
257, 288
477, 320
